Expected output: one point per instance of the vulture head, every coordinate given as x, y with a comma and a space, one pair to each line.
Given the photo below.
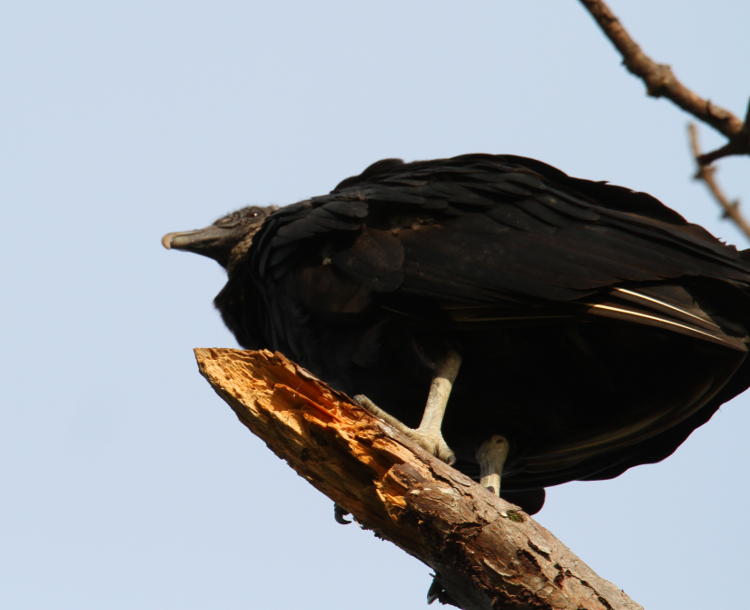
226, 240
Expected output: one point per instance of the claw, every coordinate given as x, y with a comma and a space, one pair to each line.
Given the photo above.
340, 513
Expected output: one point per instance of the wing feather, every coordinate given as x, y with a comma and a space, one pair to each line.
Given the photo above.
486, 239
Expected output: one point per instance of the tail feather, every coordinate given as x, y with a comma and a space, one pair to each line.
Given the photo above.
669, 307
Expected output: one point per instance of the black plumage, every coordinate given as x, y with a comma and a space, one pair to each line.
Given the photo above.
597, 327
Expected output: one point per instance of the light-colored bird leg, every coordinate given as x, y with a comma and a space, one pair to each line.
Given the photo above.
428, 434
491, 456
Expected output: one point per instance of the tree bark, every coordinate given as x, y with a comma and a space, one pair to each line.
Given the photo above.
487, 553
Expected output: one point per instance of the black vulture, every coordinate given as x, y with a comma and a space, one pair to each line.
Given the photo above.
581, 328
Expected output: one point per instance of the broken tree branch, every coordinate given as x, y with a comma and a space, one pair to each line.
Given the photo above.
707, 174
486, 552
660, 81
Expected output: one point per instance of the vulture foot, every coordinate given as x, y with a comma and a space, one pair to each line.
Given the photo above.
428, 434
430, 440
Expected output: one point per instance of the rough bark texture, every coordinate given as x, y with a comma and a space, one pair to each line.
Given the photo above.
707, 174
660, 81
487, 553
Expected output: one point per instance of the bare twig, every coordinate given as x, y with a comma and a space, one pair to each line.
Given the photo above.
707, 173
661, 82
487, 553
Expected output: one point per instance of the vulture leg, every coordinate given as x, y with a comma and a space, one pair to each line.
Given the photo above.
491, 456
428, 435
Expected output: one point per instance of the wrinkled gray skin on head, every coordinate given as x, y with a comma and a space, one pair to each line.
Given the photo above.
226, 240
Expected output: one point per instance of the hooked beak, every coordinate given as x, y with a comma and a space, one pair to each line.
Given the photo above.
213, 242
198, 241
182, 240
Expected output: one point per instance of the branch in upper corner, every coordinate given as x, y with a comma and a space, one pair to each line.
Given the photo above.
661, 82
487, 553
707, 173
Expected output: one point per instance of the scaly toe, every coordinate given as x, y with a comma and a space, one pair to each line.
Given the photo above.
435, 445
431, 442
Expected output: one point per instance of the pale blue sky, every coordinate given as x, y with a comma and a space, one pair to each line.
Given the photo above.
127, 483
